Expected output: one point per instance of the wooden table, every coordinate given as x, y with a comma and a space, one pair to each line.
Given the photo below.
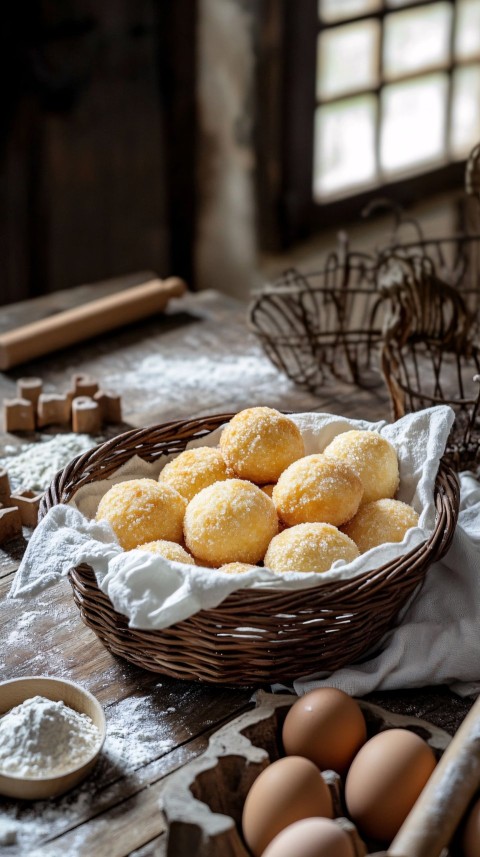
197, 358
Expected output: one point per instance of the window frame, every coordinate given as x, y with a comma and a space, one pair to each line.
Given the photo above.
285, 140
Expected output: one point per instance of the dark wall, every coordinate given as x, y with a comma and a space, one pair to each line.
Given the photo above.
86, 155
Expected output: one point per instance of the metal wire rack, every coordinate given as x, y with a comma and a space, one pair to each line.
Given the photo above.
324, 324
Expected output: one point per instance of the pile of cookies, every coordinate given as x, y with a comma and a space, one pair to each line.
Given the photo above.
259, 499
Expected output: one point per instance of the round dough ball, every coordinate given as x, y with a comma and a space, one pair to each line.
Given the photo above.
194, 469
268, 489
141, 510
309, 547
259, 443
372, 458
317, 489
232, 521
379, 522
169, 550
236, 567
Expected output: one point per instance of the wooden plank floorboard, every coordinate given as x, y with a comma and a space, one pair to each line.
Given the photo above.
71, 821
116, 833
155, 848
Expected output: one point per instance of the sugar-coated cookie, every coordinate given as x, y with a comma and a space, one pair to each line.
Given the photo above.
195, 469
259, 443
317, 489
142, 510
236, 567
379, 522
169, 550
372, 458
309, 547
268, 489
231, 521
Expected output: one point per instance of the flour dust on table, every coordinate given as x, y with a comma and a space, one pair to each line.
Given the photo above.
33, 465
187, 383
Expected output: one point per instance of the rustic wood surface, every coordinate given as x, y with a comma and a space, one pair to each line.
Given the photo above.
197, 358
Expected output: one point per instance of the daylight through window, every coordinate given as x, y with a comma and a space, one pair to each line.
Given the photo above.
398, 91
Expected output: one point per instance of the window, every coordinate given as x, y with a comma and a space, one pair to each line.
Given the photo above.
380, 96
398, 90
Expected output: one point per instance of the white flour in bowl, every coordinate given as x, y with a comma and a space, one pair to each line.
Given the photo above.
43, 738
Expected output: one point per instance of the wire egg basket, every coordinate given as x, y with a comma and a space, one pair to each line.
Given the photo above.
429, 353
324, 324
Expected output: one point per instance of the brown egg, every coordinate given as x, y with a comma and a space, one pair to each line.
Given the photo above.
471, 834
311, 837
326, 726
384, 781
288, 790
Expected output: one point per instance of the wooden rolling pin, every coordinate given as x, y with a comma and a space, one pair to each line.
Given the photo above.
430, 825
87, 320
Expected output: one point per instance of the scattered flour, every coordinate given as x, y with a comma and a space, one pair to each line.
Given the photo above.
186, 382
134, 728
23, 623
141, 730
8, 832
44, 738
34, 465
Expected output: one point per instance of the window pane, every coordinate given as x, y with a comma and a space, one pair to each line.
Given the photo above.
345, 145
339, 10
417, 39
465, 111
347, 58
467, 34
413, 122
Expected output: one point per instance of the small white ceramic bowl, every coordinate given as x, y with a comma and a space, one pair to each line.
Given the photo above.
16, 691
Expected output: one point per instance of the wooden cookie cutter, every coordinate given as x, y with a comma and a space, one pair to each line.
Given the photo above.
10, 523
19, 415
5, 488
27, 503
29, 388
110, 405
83, 385
86, 416
53, 409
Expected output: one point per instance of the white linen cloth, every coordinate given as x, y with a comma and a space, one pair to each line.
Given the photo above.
437, 640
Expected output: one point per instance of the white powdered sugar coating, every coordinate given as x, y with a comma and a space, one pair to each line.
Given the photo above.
35, 464
44, 738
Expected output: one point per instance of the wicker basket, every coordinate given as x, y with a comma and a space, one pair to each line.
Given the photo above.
297, 633
431, 354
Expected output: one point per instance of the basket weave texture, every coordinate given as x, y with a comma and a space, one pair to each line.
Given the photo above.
255, 636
